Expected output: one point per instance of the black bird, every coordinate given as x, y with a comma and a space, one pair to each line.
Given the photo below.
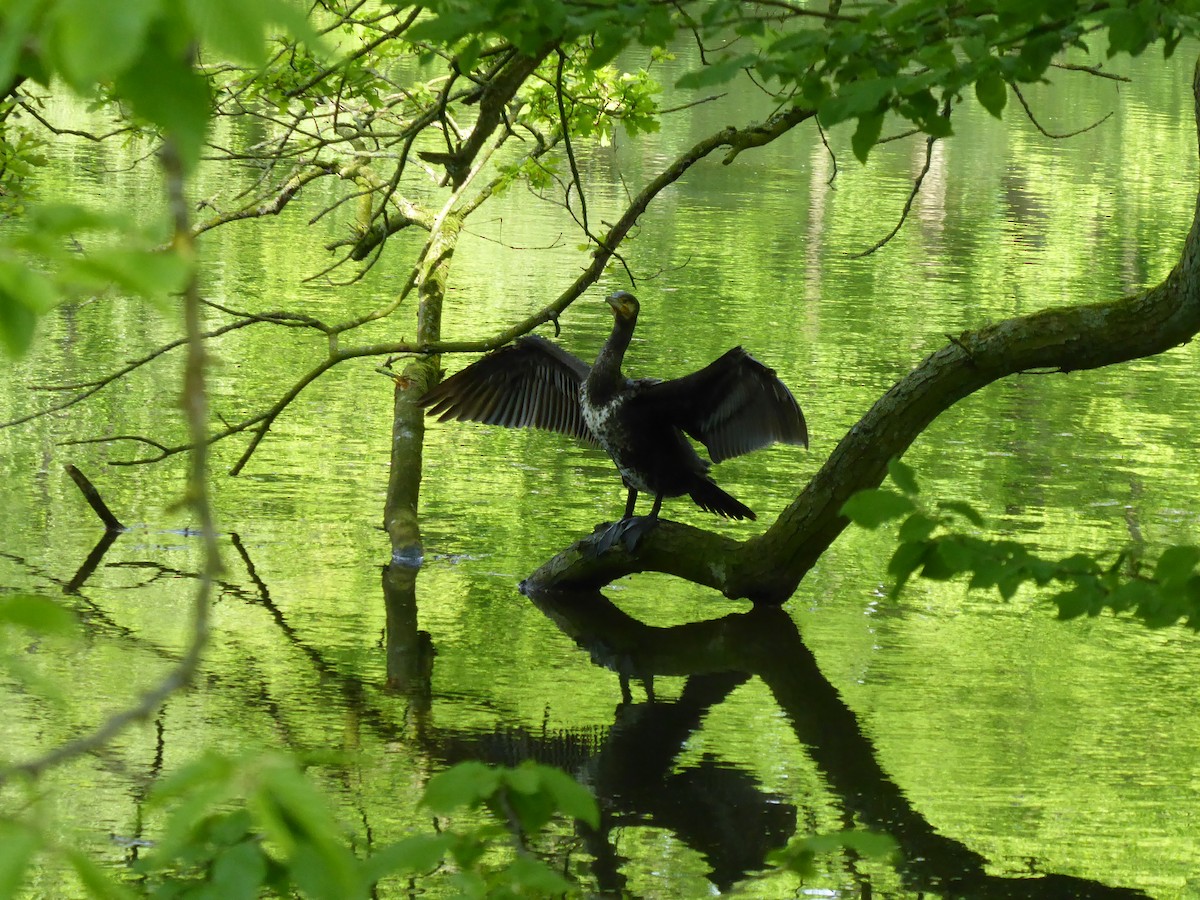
731, 406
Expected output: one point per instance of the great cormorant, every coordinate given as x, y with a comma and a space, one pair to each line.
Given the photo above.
731, 406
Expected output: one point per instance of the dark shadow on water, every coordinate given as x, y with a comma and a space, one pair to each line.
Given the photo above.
723, 812
633, 764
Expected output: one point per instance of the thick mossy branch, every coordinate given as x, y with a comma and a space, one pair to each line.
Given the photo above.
769, 567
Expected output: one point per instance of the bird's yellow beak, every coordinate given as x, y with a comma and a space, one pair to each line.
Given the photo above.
624, 304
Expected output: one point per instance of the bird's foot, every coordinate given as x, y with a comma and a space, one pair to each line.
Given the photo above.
628, 532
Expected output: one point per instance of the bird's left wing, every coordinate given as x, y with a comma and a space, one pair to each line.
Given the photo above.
529, 384
732, 406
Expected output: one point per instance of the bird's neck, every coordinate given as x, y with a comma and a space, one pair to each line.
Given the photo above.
606, 376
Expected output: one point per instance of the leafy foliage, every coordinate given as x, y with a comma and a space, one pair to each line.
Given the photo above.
237, 826
801, 853
931, 545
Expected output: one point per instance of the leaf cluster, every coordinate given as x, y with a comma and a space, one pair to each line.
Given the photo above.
143, 50
42, 262
930, 545
242, 827
800, 854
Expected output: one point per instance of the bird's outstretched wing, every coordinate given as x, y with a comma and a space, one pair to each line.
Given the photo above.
529, 384
732, 406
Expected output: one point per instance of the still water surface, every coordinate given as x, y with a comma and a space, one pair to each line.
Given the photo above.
1013, 755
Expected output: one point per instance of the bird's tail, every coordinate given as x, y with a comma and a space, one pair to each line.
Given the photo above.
711, 498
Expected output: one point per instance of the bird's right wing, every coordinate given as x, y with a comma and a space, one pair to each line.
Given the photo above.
529, 384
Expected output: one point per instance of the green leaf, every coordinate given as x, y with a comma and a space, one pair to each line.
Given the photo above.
1176, 564
153, 275
1127, 32
464, 785
61, 219
232, 27
411, 856
1077, 601
992, 92
872, 507
16, 22
164, 89
18, 844
530, 877
963, 509
917, 528
866, 97
718, 73
866, 135
571, 797
957, 556
37, 614
607, 42
98, 883
800, 852
17, 321
97, 40
903, 476
239, 873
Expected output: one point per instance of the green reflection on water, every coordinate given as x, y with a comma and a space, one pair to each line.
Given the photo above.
1074, 745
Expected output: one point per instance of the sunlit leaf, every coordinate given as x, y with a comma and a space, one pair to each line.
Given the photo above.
903, 476
571, 797
98, 883
37, 614
872, 507
1176, 564
164, 89
18, 844
866, 135
239, 872
992, 92
963, 509
917, 528
411, 856
463, 785
97, 40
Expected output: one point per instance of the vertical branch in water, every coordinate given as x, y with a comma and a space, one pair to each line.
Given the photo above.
195, 407
408, 422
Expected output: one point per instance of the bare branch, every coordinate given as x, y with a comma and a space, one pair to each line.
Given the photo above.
912, 195
1057, 137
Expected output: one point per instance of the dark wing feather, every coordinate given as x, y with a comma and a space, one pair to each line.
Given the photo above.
732, 406
529, 384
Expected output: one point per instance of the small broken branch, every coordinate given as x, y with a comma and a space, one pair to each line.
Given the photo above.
95, 501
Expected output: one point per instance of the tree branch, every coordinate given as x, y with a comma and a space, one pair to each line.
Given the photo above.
769, 567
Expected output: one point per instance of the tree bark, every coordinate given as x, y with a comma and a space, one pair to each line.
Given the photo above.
768, 568
408, 420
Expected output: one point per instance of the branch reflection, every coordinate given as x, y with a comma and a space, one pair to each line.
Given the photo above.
633, 767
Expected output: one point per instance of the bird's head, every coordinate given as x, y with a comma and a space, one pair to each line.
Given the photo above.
624, 305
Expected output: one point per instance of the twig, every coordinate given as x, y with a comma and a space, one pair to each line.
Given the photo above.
196, 495
1038, 125
95, 501
912, 195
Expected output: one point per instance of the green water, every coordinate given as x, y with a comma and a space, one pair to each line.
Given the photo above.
997, 743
